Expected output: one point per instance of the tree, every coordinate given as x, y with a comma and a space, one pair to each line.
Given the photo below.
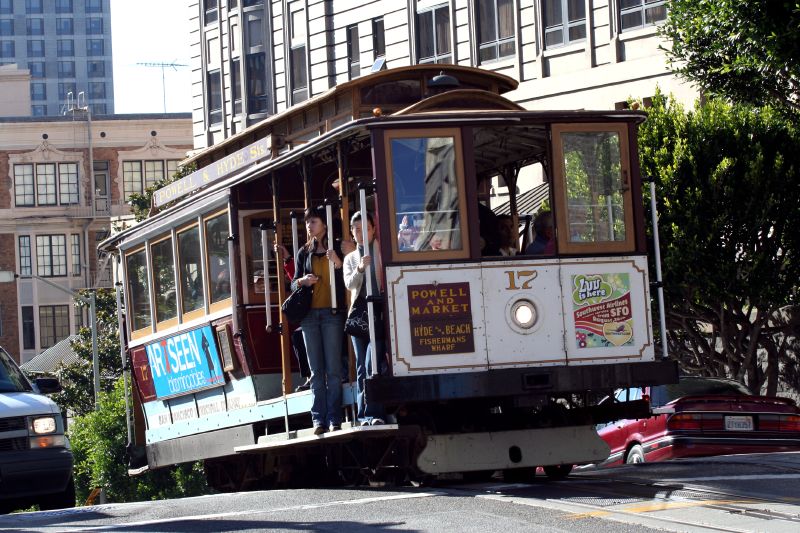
744, 51
141, 204
730, 188
77, 379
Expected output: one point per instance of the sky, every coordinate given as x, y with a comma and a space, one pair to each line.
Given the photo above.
150, 31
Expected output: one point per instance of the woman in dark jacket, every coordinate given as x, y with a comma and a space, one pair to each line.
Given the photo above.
323, 326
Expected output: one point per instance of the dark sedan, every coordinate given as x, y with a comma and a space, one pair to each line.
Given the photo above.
700, 417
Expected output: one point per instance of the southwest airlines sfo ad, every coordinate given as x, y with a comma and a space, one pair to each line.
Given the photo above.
185, 363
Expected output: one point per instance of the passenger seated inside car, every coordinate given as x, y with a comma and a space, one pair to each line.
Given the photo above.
507, 236
544, 243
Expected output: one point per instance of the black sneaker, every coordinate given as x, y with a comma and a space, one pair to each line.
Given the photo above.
319, 430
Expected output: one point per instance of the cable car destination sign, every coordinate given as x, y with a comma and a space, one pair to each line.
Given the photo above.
223, 168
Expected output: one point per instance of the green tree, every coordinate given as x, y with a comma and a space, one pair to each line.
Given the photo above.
745, 51
77, 379
729, 191
99, 447
141, 204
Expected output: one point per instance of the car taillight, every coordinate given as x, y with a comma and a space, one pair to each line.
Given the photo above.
790, 423
779, 423
696, 421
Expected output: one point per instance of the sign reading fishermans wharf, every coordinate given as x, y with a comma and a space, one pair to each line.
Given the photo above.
440, 318
223, 168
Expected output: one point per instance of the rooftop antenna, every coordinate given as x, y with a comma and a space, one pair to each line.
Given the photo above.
163, 66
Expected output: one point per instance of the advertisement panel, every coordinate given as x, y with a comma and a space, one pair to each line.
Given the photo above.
602, 310
185, 363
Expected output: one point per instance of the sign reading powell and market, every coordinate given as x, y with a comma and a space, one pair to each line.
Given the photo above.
223, 168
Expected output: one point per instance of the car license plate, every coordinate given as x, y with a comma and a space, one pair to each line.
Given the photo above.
739, 423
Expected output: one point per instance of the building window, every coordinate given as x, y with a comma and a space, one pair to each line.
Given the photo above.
65, 48
94, 26
97, 90
214, 97
38, 91
68, 183
28, 329
299, 77
46, 183
65, 88
496, 29
378, 38
433, 35
94, 47
38, 110
153, 173
64, 27
37, 69
7, 49
25, 268
24, 194
564, 22
94, 6
353, 52
98, 109
210, 7
236, 86
256, 83
132, 177
51, 255
75, 250
635, 14
53, 324
66, 69
33, 7
34, 26
63, 6
35, 48
6, 7
96, 69
6, 27
138, 175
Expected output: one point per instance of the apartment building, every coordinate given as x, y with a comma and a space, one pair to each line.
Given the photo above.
66, 47
253, 58
54, 210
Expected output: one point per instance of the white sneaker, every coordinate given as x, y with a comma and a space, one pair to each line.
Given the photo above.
376, 422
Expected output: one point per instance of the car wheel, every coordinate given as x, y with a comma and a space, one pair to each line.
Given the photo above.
60, 500
556, 472
635, 455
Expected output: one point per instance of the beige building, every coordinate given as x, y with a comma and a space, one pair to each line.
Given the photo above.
15, 88
253, 58
53, 210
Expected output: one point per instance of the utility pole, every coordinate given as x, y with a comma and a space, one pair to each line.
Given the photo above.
163, 66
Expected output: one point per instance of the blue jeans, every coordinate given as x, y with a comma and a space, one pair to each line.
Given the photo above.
368, 410
322, 333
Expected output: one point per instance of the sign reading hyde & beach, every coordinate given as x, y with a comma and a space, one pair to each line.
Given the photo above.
185, 363
216, 171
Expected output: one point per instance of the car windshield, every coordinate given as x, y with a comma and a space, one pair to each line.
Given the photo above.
11, 378
700, 387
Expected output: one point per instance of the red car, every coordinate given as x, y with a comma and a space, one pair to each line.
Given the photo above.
700, 417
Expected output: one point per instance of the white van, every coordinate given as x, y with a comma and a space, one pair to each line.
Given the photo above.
35, 457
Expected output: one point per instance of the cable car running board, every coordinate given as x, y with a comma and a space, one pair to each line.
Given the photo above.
307, 437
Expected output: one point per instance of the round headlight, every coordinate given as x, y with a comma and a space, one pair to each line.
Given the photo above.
523, 313
44, 425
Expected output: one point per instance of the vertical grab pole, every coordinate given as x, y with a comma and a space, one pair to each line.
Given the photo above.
368, 276
265, 240
295, 240
121, 325
331, 270
661, 314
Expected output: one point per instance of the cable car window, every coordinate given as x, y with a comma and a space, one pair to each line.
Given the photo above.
166, 298
191, 276
428, 194
594, 199
219, 278
138, 290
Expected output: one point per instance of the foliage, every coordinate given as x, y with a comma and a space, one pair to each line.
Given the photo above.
141, 204
77, 379
744, 51
99, 447
729, 180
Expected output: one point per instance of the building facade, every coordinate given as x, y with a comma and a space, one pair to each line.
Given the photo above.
66, 46
53, 210
253, 58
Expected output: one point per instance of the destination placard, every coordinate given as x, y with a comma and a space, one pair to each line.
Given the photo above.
214, 172
440, 318
185, 363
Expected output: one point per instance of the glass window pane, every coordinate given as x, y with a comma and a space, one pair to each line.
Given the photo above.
76, 254
132, 177
24, 185
426, 193
28, 329
217, 248
153, 172
138, 290
68, 183
46, 183
505, 18
442, 16
577, 33
487, 29
595, 186
655, 14
552, 13
25, 255
189, 270
425, 31
164, 280
576, 10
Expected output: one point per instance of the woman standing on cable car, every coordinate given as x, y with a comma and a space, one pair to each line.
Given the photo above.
323, 326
